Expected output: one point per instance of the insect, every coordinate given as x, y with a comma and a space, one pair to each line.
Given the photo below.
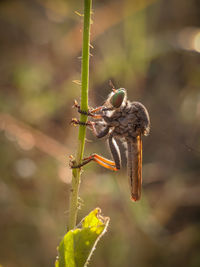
118, 118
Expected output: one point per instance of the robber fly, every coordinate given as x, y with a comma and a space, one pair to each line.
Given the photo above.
121, 119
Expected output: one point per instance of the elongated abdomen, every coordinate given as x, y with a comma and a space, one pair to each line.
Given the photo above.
135, 167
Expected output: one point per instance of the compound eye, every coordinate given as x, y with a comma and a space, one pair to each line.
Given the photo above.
117, 98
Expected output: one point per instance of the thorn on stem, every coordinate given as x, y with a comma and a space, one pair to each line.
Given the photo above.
75, 105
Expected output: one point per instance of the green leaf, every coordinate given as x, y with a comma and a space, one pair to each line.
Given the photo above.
77, 246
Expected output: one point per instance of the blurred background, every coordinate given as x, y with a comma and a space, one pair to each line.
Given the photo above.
149, 47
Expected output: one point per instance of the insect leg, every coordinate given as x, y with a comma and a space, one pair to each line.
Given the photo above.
102, 133
106, 163
95, 157
75, 122
91, 112
92, 124
114, 151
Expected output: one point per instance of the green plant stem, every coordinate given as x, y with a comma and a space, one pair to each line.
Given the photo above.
84, 106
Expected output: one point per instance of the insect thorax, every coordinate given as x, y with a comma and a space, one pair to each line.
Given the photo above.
129, 121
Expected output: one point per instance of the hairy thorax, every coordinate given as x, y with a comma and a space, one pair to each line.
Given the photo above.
128, 121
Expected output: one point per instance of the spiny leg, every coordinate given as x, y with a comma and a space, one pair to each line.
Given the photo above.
106, 163
95, 157
76, 122
92, 124
91, 112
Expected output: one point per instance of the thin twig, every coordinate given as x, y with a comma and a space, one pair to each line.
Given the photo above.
84, 106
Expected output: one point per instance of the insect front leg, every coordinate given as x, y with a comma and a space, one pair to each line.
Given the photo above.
90, 112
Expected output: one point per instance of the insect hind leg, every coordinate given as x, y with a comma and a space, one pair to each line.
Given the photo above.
106, 163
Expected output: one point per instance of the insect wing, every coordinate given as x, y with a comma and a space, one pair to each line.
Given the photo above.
135, 167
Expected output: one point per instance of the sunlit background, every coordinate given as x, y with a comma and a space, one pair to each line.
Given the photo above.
149, 47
